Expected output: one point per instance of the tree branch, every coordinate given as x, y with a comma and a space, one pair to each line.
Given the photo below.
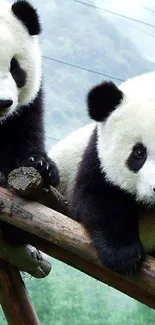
27, 183
14, 297
65, 239
26, 258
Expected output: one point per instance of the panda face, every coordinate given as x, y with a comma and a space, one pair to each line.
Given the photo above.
20, 62
126, 140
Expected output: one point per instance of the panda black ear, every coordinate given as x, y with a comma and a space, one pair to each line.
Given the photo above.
23, 10
102, 100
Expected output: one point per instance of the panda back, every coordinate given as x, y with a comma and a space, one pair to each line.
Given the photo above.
67, 155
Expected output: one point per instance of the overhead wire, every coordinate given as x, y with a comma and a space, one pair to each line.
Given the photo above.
51, 138
82, 68
115, 13
90, 70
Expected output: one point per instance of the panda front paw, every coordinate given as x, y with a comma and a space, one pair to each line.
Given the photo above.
123, 260
47, 169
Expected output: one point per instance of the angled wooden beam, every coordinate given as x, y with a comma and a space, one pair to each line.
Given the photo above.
65, 239
14, 298
25, 257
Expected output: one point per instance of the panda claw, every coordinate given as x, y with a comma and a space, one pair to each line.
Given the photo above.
46, 168
40, 163
31, 159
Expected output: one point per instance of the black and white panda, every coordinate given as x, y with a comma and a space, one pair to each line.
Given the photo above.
107, 171
21, 96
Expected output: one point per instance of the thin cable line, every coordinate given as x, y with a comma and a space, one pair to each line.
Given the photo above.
135, 27
82, 68
52, 138
116, 14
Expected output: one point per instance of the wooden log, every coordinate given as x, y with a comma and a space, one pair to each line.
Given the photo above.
140, 287
14, 297
65, 239
27, 183
25, 257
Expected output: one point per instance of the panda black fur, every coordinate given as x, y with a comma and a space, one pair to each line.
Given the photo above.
21, 95
107, 171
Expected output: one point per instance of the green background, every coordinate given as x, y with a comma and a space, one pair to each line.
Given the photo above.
68, 297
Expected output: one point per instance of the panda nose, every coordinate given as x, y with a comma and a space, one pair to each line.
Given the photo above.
154, 189
5, 104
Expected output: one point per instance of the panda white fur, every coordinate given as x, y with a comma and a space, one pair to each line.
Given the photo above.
21, 95
107, 171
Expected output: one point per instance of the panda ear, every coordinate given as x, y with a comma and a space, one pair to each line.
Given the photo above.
102, 100
23, 10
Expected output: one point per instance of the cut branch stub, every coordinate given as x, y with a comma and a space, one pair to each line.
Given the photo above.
27, 182
26, 257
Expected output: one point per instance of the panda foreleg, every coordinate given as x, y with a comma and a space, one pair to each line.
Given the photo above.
114, 233
123, 259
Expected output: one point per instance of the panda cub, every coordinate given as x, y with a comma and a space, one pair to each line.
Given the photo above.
21, 96
107, 171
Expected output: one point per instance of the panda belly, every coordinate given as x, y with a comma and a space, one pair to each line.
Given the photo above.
67, 155
147, 231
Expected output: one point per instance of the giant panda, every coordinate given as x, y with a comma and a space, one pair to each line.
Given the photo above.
21, 95
107, 171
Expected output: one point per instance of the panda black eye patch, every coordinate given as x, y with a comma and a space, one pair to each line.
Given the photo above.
137, 157
18, 73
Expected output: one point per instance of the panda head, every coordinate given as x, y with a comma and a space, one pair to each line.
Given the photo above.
126, 134
20, 57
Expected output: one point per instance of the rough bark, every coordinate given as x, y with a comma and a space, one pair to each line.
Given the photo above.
65, 239
26, 257
27, 182
14, 298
